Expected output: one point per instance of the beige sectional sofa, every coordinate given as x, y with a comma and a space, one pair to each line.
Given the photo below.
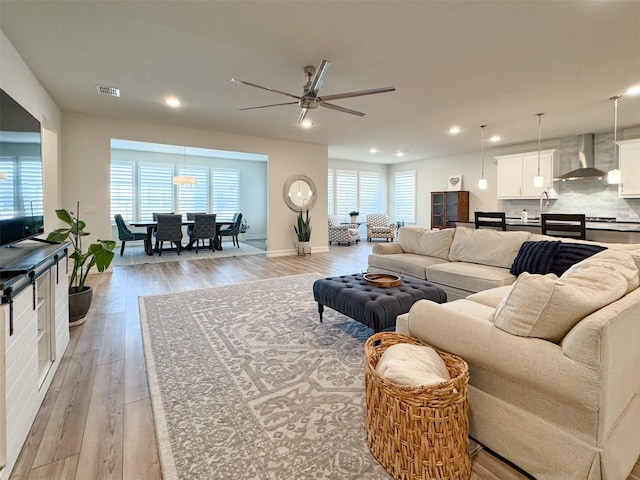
554, 361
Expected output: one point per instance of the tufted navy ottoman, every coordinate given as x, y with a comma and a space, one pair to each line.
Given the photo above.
376, 307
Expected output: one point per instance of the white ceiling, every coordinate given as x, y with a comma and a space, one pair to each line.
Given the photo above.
466, 63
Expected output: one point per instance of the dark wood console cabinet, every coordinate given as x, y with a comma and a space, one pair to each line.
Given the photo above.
448, 208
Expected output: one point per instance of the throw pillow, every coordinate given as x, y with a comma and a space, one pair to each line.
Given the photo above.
545, 307
535, 257
571, 253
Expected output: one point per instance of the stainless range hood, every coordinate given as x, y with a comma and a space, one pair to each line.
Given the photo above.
586, 157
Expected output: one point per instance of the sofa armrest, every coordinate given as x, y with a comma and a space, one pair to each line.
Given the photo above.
387, 248
529, 361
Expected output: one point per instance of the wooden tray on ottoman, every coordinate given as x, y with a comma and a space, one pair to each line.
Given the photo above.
382, 279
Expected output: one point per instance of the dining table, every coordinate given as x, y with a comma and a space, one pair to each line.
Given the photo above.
151, 225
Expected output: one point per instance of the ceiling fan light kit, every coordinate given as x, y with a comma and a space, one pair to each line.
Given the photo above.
310, 98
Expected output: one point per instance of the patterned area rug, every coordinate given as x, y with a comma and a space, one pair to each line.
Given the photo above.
247, 383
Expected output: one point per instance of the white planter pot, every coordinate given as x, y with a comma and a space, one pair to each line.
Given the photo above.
354, 219
304, 248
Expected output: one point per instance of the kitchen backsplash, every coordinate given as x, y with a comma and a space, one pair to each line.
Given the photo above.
594, 198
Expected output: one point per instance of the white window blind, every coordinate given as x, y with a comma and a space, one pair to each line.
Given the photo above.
26, 197
330, 205
156, 189
122, 198
194, 198
226, 192
6, 188
346, 192
405, 196
369, 193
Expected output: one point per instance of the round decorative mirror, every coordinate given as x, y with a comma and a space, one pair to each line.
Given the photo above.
299, 193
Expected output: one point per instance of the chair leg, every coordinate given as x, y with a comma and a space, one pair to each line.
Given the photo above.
159, 248
178, 245
122, 248
236, 240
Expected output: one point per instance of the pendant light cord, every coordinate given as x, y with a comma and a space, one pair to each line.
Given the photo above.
482, 127
539, 139
615, 128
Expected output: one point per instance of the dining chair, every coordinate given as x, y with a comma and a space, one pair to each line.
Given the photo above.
204, 228
491, 219
169, 230
232, 230
564, 225
125, 235
191, 216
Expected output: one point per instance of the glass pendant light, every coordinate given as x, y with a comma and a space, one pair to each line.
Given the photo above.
482, 183
538, 180
615, 176
184, 179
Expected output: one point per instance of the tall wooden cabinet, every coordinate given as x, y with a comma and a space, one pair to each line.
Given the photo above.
448, 208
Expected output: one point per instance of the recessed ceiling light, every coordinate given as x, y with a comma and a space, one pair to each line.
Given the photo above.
454, 130
635, 90
401, 153
173, 102
495, 138
373, 150
306, 123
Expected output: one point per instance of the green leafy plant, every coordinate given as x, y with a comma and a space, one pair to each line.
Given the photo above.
303, 229
244, 226
353, 213
98, 254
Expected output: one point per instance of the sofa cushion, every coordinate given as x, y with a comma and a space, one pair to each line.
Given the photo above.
546, 307
571, 253
486, 246
432, 243
470, 277
492, 297
535, 257
405, 263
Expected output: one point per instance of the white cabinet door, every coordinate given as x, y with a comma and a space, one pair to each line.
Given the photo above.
530, 170
629, 158
509, 182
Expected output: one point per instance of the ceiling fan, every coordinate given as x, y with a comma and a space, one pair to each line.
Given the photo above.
310, 99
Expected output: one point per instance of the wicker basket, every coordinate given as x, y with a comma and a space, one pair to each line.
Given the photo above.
417, 433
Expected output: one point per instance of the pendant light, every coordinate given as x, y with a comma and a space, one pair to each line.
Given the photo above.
538, 180
184, 179
482, 183
614, 176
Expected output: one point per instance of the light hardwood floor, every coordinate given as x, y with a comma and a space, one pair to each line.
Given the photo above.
96, 421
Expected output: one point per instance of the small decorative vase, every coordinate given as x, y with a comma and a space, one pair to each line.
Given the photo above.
304, 248
79, 303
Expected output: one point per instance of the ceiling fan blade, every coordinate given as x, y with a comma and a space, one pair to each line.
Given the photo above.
235, 80
360, 93
303, 114
272, 105
319, 78
341, 109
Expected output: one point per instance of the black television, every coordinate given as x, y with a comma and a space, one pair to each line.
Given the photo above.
21, 178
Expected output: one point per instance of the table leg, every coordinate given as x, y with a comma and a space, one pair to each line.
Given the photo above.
148, 245
217, 244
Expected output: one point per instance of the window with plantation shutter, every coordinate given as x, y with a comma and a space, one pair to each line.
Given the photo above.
194, 198
369, 193
405, 196
346, 192
122, 197
7, 209
330, 204
225, 192
31, 181
156, 189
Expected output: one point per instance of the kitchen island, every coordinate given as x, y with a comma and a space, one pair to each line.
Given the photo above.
606, 231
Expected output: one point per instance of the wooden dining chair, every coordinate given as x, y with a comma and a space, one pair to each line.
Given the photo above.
491, 220
564, 225
204, 228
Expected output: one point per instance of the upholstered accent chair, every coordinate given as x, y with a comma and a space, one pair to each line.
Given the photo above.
342, 233
204, 228
378, 226
169, 230
126, 235
232, 230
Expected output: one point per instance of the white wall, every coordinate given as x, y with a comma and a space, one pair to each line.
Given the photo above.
21, 84
86, 143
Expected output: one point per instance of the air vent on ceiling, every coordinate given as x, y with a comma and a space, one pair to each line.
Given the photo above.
111, 91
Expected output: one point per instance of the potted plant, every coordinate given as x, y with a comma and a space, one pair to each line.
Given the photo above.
303, 231
98, 255
242, 230
354, 216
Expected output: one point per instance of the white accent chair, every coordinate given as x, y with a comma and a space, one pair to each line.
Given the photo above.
378, 226
342, 233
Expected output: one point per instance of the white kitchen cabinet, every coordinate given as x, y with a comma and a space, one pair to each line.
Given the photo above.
629, 161
516, 172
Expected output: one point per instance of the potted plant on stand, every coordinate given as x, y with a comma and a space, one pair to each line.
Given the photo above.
303, 231
98, 254
354, 216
